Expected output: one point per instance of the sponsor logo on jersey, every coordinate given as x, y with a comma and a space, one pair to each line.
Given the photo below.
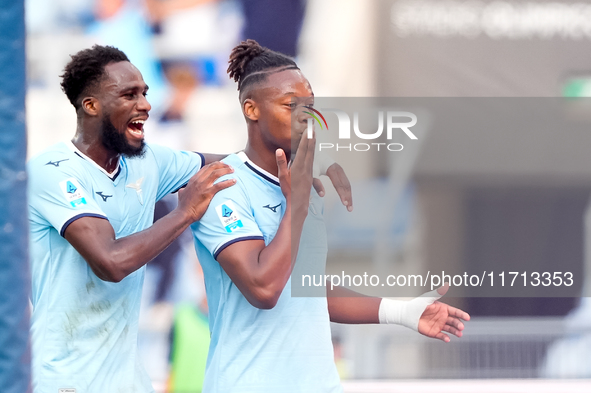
56, 163
100, 193
272, 208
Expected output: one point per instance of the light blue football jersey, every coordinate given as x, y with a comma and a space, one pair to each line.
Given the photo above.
284, 349
84, 330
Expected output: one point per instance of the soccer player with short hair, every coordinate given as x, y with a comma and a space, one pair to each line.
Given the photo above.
262, 339
91, 208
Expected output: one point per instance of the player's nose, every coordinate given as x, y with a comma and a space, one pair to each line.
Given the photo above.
304, 114
143, 104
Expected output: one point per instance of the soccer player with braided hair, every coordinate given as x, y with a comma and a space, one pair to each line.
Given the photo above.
262, 339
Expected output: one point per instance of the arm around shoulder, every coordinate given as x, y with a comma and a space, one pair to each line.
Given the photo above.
113, 259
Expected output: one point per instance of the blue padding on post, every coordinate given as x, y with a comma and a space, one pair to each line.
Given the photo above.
14, 267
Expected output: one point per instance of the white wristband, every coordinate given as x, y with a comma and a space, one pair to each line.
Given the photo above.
406, 312
322, 162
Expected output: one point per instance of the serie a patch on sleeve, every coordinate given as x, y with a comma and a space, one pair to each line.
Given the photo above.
229, 216
73, 192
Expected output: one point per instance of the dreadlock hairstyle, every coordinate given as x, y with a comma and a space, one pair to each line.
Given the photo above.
86, 69
251, 63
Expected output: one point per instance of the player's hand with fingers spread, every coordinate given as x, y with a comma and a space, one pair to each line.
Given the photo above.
439, 317
425, 314
196, 196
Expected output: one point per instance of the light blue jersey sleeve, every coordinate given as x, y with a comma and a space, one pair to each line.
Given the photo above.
59, 196
228, 219
175, 168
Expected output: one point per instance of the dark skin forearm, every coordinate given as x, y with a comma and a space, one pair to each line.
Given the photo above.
260, 272
113, 259
347, 306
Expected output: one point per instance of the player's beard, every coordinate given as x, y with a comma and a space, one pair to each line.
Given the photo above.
115, 141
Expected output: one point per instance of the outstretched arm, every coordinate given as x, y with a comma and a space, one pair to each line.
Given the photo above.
113, 259
424, 314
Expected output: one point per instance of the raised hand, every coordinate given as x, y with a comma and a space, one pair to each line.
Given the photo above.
296, 179
284, 174
196, 196
301, 171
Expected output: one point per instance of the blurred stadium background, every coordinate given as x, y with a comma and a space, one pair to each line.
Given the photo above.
363, 48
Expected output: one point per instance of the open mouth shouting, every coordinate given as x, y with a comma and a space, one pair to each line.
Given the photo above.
136, 128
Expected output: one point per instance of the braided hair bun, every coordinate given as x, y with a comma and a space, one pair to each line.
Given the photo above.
250, 63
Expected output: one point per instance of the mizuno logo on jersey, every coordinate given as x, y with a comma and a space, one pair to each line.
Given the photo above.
137, 186
56, 163
100, 193
272, 208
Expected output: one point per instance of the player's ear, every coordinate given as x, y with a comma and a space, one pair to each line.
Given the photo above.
90, 106
250, 109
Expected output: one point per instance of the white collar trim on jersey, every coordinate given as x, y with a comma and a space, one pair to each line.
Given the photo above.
245, 158
111, 175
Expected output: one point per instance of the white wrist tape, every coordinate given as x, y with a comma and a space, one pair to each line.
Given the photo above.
406, 312
322, 162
